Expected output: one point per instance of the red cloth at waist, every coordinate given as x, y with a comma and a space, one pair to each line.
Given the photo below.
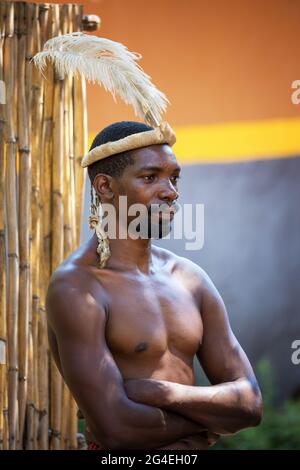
94, 446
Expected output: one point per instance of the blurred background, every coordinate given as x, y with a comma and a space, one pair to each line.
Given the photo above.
228, 69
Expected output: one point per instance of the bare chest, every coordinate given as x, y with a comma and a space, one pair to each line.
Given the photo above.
148, 319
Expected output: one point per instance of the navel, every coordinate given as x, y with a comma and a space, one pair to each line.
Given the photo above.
141, 347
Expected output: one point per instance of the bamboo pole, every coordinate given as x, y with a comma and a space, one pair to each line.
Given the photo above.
47, 159
56, 399
43, 439
45, 208
29, 443
5, 417
37, 109
14, 102
14, 98
67, 234
64, 417
57, 234
68, 245
70, 155
80, 130
12, 226
73, 424
71, 207
2, 245
24, 221
28, 65
47, 155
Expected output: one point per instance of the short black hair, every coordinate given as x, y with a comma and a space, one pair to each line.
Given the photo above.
115, 164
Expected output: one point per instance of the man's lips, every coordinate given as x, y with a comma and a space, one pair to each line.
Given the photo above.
162, 215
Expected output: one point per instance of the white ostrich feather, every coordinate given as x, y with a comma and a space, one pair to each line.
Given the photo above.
108, 63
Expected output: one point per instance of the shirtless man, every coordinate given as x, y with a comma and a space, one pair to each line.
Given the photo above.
124, 337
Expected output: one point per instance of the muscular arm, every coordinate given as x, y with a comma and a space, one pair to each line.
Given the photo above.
77, 317
223, 409
233, 401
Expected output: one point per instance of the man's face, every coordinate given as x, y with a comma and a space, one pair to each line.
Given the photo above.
152, 179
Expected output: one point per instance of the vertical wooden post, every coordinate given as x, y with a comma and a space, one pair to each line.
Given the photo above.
45, 234
29, 444
12, 228
80, 130
24, 222
57, 233
3, 337
36, 116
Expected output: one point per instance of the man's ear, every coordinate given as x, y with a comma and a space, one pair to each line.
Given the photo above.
103, 185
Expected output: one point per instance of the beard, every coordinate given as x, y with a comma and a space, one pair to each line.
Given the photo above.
160, 220
154, 227
156, 224
155, 231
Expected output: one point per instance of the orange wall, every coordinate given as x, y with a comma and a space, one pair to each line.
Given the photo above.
217, 61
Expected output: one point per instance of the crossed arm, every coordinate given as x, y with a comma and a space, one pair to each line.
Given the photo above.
221, 409
233, 401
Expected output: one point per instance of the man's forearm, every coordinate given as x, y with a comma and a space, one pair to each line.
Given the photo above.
141, 426
223, 409
172, 428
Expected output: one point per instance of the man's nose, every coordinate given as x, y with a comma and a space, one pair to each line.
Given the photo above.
168, 192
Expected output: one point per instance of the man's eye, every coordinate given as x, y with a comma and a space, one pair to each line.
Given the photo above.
149, 178
175, 179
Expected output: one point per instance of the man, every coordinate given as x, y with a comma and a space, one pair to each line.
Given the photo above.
124, 336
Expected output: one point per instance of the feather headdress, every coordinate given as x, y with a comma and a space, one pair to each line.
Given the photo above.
110, 64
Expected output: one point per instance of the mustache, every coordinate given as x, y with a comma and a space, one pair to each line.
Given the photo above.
163, 208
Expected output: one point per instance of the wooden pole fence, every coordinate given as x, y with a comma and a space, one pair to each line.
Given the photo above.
43, 137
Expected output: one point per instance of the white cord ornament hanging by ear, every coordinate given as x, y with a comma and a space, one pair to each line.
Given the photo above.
95, 223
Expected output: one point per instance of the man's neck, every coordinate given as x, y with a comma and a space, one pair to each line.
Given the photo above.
127, 254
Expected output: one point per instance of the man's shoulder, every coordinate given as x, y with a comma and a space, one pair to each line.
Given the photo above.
180, 261
75, 270
74, 284
67, 274
184, 266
